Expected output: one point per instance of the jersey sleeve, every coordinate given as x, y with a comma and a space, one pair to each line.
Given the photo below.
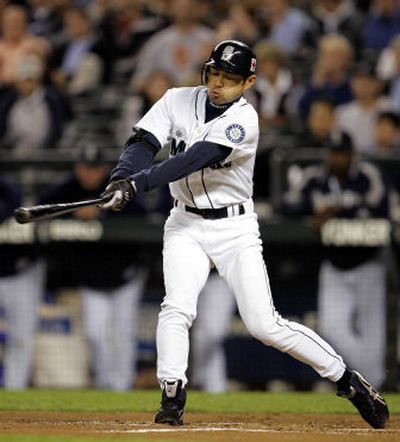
158, 119
240, 133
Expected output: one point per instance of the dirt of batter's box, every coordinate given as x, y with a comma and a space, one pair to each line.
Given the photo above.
202, 427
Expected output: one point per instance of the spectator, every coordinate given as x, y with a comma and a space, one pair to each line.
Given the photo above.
111, 288
205, 13
274, 83
286, 26
21, 288
126, 28
33, 114
388, 71
79, 65
135, 106
330, 73
389, 61
362, 111
352, 277
45, 20
16, 41
240, 24
178, 50
337, 17
381, 25
320, 131
387, 146
387, 134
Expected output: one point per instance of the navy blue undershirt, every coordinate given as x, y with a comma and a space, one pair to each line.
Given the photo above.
136, 161
214, 110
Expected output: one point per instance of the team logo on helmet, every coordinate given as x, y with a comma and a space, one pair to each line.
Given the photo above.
235, 133
228, 53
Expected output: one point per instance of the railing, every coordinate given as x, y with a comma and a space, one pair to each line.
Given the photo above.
275, 231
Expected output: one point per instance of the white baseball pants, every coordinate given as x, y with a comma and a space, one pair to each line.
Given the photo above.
191, 245
20, 297
110, 321
352, 315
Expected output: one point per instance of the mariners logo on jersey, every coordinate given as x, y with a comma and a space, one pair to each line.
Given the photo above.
235, 133
177, 143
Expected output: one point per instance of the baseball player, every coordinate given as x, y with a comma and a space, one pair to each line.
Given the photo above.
213, 134
110, 289
22, 275
352, 279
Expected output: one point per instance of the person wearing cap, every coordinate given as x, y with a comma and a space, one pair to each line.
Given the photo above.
352, 288
33, 114
110, 277
213, 132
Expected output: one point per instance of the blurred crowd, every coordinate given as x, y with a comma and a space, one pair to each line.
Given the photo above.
346, 53
78, 72
75, 71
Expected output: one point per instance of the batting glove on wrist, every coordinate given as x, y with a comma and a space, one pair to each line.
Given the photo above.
119, 193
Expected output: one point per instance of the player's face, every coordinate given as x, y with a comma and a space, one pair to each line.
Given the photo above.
224, 87
340, 162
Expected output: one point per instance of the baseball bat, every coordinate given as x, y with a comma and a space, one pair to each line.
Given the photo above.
25, 215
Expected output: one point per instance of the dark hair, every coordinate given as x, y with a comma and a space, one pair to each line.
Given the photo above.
324, 98
390, 116
365, 69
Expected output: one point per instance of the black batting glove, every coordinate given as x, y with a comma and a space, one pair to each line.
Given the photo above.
117, 194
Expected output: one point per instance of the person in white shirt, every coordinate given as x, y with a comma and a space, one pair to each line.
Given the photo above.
358, 117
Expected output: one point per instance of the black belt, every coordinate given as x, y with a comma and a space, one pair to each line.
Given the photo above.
213, 213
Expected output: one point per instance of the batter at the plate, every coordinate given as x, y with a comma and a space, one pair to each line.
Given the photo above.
213, 133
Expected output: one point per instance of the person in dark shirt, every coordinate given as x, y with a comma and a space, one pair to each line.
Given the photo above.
382, 23
330, 73
108, 275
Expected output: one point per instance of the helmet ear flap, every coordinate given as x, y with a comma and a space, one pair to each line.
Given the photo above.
205, 73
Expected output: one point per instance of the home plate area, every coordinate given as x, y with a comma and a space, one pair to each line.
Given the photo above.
201, 426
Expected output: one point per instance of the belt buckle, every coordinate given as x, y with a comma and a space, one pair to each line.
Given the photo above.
213, 214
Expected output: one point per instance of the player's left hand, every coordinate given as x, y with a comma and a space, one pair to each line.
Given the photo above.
119, 193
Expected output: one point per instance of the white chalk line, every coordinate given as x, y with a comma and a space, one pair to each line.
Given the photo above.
339, 431
238, 427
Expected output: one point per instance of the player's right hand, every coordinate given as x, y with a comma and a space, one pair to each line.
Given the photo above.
117, 194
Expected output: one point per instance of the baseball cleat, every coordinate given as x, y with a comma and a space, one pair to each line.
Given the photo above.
370, 404
173, 401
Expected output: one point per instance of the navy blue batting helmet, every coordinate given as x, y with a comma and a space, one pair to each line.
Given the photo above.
231, 56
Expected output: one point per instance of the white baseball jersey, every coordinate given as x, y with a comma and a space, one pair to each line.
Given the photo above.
177, 119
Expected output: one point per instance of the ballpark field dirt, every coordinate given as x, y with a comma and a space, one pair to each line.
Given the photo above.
201, 427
